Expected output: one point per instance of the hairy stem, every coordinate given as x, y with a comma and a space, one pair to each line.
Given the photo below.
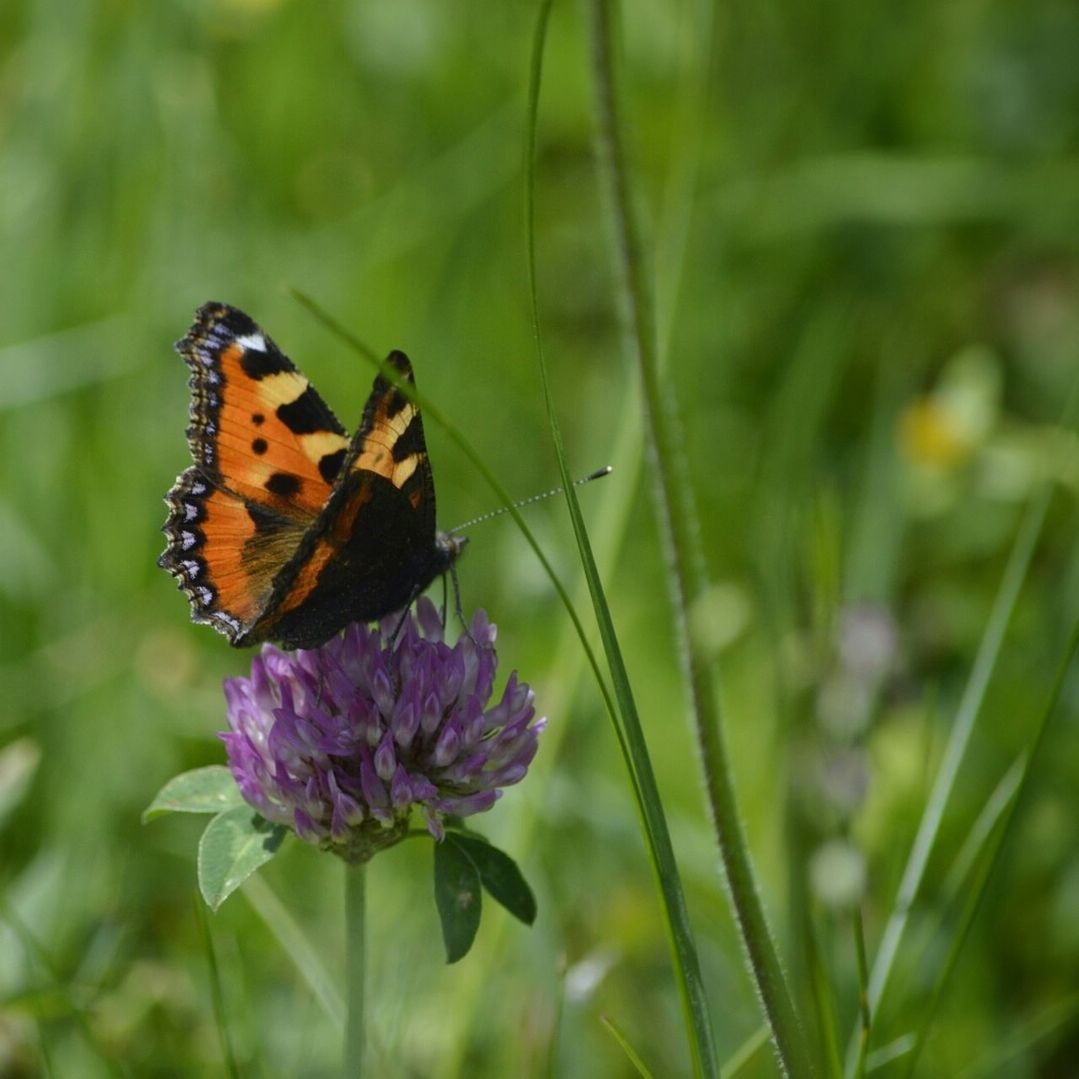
686, 572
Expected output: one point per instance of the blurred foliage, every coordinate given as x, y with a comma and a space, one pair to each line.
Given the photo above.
866, 227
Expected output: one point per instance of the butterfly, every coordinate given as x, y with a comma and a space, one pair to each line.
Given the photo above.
285, 528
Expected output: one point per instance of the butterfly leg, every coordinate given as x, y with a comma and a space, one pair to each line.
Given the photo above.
457, 602
401, 621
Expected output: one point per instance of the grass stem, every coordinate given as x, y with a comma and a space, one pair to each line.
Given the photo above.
687, 577
975, 894
625, 718
966, 716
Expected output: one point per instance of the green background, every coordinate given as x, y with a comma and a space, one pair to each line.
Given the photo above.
864, 224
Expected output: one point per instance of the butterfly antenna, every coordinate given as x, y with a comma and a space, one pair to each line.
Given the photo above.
598, 474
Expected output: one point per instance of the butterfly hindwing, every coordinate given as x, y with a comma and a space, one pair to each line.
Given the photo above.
224, 551
284, 528
374, 548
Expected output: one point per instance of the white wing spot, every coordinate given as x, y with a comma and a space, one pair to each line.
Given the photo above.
253, 341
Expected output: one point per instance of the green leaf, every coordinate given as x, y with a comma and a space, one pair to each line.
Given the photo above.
236, 842
457, 896
202, 790
499, 874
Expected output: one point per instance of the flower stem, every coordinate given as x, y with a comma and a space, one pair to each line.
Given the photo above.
355, 965
689, 584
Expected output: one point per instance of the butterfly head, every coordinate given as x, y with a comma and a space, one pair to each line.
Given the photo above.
450, 545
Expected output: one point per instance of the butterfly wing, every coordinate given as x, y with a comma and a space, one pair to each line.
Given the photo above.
266, 450
373, 548
225, 551
284, 528
390, 444
258, 428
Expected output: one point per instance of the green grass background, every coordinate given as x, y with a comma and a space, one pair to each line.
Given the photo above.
865, 227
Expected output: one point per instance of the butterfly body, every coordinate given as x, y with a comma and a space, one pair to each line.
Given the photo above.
285, 528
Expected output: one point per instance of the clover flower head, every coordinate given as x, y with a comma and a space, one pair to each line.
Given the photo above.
340, 742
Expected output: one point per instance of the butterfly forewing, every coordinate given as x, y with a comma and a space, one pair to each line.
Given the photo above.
258, 426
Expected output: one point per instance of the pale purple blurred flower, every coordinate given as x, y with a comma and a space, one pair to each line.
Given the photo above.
341, 742
868, 641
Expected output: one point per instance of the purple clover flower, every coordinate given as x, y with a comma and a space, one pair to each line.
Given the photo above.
340, 742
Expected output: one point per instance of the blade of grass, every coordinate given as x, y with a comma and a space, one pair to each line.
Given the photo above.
969, 708
863, 993
293, 941
745, 1052
894, 1050
1058, 1014
566, 668
631, 1054
972, 851
976, 892
822, 996
983, 828
635, 749
687, 577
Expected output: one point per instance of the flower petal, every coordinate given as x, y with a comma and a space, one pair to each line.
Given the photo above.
349, 736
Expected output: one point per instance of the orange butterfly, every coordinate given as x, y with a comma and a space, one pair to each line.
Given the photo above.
284, 528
